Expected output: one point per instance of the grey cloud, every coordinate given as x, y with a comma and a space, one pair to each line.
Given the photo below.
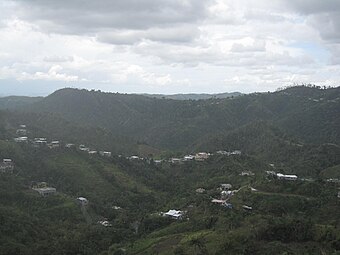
179, 34
88, 16
322, 15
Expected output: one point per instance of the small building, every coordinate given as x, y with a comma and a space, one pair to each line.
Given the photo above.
92, 152
105, 223
288, 177
188, 157
23, 126
175, 160
225, 186
218, 201
22, 139
82, 147
158, 161
70, 145
174, 214
236, 152
201, 156
82, 201
200, 190
54, 145
43, 189
247, 173
45, 192
105, 153
222, 153
38, 142
246, 207
133, 158
6, 166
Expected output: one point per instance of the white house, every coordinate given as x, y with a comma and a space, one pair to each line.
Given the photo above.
201, 156
200, 190
289, 177
22, 139
174, 214
105, 153
225, 186
188, 157
82, 201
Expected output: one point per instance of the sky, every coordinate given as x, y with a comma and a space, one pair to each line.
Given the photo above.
167, 46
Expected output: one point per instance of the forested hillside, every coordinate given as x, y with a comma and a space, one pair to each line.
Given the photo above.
307, 113
253, 174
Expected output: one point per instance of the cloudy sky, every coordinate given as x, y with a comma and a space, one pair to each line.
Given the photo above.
167, 46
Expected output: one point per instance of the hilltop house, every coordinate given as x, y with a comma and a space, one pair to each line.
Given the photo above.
188, 157
225, 186
37, 142
175, 160
54, 144
82, 147
70, 145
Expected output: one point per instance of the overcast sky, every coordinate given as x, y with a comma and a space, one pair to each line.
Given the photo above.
167, 46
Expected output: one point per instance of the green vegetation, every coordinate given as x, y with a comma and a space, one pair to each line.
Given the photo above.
292, 131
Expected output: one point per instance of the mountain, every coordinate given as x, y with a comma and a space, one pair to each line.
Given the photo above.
306, 113
194, 96
14, 102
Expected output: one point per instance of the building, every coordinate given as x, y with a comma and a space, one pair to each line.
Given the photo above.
70, 145
82, 147
289, 177
54, 145
38, 142
201, 156
188, 157
43, 189
200, 190
236, 152
225, 186
22, 139
105, 153
247, 173
174, 214
6, 166
82, 201
246, 207
222, 153
92, 152
133, 158
175, 160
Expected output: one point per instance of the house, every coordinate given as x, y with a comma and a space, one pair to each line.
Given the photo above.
175, 160
218, 201
236, 152
22, 126
22, 139
226, 193
38, 142
82, 147
174, 214
289, 177
69, 145
133, 158
105, 223
188, 157
92, 152
6, 166
43, 189
105, 153
247, 173
82, 201
158, 161
246, 207
222, 153
225, 186
54, 144
200, 190
201, 156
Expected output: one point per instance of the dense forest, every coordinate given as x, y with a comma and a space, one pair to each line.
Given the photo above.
230, 196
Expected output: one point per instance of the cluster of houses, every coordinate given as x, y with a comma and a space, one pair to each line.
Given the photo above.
287, 177
200, 156
40, 142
